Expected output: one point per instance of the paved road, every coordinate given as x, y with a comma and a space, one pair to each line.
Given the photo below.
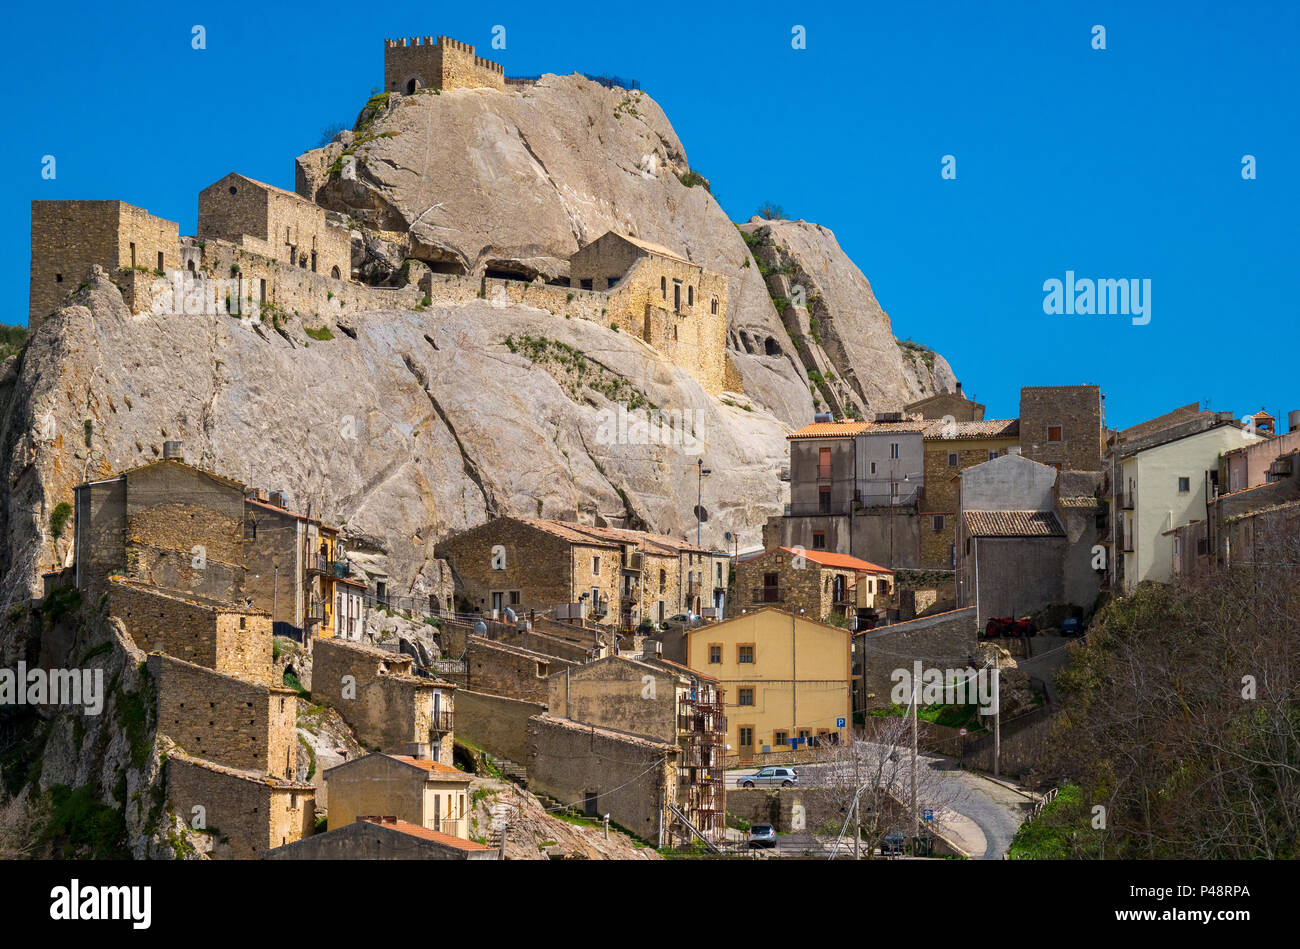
981, 816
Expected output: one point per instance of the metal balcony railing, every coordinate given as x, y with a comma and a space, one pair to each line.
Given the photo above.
442, 722
767, 595
326, 566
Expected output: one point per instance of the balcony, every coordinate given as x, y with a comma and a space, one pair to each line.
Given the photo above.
442, 722
818, 508
633, 563
767, 595
326, 567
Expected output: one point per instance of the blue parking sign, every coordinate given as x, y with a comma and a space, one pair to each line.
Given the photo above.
927, 814
839, 723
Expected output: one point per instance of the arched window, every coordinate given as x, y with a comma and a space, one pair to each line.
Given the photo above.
334, 272
713, 306
413, 85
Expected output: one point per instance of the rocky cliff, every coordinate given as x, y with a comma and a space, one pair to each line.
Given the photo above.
404, 425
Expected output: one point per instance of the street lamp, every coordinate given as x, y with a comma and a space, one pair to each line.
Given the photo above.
699, 496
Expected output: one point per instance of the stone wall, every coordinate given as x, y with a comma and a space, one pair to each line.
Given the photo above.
247, 813
495, 723
386, 706
810, 587
510, 671
100, 525
944, 640
447, 64
621, 694
218, 717
69, 237
628, 776
236, 642
1077, 410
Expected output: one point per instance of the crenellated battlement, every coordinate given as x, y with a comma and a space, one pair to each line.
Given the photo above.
420, 62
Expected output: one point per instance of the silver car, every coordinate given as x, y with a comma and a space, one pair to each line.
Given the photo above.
773, 777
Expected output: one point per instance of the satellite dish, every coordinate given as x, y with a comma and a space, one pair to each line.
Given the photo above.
701, 513
480, 628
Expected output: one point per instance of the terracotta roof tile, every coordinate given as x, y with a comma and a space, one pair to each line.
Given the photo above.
842, 561
414, 830
1013, 524
989, 428
830, 430
433, 767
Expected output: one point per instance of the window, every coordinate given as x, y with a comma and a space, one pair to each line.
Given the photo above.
160, 260
952, 459
334, 272
1054, 434
715, 654
585, 284
663, 287
819, 540
937, 521
58, 278
713, 306
873, 467
993, 453
745, 736
745, 696
262, 289
823, 462
823, 500
1184, 485
690, 296
595, 566
663, 580
745, 653
893, 449
514, 597
780, 738
313, 261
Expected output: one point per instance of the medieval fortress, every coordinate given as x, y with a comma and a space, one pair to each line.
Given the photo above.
267, 254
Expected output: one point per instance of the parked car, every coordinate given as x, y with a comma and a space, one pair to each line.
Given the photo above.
682, 621
771, 778
1070, 626
893, 842
762, 835
1009, 626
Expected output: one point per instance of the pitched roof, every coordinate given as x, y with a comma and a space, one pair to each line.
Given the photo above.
415, 830
989, 428
830, 430
650, 247
573, 533
843, 561
433, 767
1013, 524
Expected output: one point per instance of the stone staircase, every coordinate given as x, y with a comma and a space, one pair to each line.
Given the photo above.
502, 815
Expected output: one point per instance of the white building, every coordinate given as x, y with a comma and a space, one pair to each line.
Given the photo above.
1164, 486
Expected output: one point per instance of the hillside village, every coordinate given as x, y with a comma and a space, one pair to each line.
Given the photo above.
579, 682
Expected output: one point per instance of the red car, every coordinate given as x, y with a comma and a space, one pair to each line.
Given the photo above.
1009, 626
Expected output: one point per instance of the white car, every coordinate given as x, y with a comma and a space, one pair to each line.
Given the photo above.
773, 777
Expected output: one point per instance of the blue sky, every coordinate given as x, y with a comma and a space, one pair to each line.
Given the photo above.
1122, 163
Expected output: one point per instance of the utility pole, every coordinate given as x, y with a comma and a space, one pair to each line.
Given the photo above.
997, 720
916, 814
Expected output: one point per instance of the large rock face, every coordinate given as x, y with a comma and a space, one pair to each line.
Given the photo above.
844, 335
423, 424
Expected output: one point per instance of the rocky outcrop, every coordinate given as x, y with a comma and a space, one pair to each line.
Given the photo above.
842, 336
403, 429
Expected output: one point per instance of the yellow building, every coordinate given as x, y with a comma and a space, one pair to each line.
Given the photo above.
425, 793
783, 677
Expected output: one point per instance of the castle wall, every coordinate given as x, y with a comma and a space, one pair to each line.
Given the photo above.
447, 64
70, 237
227, 720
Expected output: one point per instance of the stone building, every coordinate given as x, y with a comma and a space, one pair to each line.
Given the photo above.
1062, 426
70, 237
298, 571
941, 640
275, 223
657, 295
383, 838
422, 792
615, 576
516, 672
941, 405
657, 699
385, 704
413, 63
817, 583
1010, 544
248, 812
951, 447
241, 723
629, 777
229, 639
786, 678
167, 524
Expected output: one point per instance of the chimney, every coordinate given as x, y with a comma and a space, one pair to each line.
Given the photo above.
959, 388
174, 449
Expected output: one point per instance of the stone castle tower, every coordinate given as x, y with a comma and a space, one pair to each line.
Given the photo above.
419, 62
